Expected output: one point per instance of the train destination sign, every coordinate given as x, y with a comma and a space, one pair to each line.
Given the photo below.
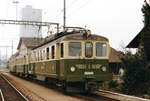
89, 66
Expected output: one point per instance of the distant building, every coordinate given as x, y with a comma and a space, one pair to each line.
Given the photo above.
26, 44
115, 62
24, 47
115, 65
30, 14
3, 63
136, 41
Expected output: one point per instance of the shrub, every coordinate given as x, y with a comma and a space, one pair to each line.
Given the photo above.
137, 74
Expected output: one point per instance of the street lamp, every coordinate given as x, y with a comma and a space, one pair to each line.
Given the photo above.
16, 3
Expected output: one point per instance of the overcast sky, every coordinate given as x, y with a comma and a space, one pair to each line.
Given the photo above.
118, 20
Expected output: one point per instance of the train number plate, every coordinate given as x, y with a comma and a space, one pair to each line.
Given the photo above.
88, 73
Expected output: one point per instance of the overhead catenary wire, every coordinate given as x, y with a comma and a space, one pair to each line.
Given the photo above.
82, 6
70, 13
73, 2
68, 6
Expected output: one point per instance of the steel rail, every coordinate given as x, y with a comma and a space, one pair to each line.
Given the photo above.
120, 97
14, 88
2, 96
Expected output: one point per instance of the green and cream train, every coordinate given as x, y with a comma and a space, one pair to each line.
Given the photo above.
77, 61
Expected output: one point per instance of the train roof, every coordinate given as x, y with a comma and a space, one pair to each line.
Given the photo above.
80, 36
74, 35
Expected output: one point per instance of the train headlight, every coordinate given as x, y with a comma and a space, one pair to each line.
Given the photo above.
104, 69
72, 69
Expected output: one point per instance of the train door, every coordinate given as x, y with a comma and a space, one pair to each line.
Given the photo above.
61, 60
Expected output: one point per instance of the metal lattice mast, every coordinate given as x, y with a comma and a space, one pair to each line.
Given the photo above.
64, 14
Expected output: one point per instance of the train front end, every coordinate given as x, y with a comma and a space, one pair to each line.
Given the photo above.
85, 64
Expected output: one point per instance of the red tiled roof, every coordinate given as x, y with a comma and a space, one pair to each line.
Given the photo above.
115, 55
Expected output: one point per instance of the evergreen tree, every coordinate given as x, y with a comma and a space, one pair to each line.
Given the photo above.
145, 36
137, 67
137, 74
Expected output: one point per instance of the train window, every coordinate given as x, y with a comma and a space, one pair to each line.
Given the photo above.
62, 50
43, 56
37, 55
35, 58
47, 53
24, 59
40, 54
74, 49
88, 49
101, 49
53, 52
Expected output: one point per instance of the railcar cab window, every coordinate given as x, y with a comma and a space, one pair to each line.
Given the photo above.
75, 49
53, 52
61, 50
88, 49
101, 49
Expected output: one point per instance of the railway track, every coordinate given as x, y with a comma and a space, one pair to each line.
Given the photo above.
119, 97
81, 96
100, 95
92, 97
1, 96
8, 92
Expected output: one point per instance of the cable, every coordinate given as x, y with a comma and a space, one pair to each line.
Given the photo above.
79, 7
62, 10
72, 3
59, 13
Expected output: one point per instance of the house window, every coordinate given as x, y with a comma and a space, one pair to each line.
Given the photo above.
47, 53
61, 50
53, 52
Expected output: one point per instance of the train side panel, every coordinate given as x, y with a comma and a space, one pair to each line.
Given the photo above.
47, 69
20, 69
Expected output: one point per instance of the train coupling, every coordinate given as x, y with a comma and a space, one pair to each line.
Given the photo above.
91, 86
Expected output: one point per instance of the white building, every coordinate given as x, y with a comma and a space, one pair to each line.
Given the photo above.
30, 14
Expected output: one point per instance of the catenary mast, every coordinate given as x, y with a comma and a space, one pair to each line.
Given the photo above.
64, 14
